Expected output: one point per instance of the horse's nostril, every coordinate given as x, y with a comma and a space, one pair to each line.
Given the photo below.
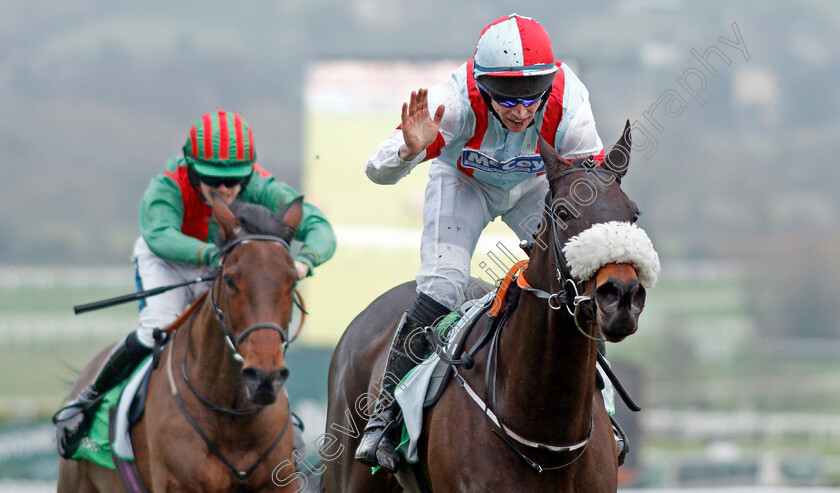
607, 294
281, 376
252, 376
639, 297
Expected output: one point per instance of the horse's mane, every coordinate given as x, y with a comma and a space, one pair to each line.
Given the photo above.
259, 220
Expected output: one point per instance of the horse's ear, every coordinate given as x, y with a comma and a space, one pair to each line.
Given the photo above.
553, 162
618, 159
293, 215
229, 225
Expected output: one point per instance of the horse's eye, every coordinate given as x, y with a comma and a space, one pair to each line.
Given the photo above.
229, 281
562, 213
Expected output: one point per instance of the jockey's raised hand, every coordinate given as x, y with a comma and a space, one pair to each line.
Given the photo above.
419, 131
483, 166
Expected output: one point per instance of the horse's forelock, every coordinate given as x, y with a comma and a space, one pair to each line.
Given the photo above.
259, 220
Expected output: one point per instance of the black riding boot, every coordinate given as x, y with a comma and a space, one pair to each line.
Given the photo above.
409, 347
74, 420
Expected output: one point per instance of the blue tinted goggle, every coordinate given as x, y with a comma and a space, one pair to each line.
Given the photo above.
511, 102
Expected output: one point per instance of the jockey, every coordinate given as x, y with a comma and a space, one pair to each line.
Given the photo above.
482, 141
176, 245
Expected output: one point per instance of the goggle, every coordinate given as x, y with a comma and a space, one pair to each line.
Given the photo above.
510, 102
216, 182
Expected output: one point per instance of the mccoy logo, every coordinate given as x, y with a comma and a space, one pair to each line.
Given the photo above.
523, 163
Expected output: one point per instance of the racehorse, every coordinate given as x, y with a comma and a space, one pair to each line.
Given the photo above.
217, 416
551, 432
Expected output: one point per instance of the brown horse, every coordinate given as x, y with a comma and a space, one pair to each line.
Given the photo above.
555, 434
217, 416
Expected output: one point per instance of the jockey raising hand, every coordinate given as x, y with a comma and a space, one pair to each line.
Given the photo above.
419, 131
482, 143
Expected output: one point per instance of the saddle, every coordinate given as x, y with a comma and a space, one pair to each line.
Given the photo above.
443, 371
504, 301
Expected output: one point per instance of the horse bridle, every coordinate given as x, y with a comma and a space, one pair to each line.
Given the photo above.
568, 296
231, 339
232, 343
241, 475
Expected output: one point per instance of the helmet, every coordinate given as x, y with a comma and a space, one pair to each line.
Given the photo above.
513, 57
221, 145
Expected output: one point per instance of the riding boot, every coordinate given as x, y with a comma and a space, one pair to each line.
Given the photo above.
73, 421
409, 347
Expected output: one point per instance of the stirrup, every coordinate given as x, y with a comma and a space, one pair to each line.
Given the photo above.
380, 444
72, 428
80, 406
377, 429
387, 455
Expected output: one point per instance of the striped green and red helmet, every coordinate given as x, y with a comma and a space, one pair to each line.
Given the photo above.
221, 145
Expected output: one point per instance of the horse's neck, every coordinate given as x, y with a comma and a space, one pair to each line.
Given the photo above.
211, 367
547, 368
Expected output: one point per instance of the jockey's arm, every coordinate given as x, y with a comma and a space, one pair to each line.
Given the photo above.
161, 219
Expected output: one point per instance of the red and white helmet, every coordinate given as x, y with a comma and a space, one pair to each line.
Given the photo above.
513, 46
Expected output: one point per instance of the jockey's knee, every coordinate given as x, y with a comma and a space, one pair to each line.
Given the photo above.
444, 289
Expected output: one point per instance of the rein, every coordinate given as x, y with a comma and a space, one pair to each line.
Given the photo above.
241, 475
569, 296
233, 343
500, 315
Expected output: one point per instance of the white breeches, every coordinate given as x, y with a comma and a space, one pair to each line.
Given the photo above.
457, 209
162, 309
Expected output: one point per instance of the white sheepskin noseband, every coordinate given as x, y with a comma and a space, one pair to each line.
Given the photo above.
612, 242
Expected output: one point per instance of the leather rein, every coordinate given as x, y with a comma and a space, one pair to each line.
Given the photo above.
233, 343
567, 296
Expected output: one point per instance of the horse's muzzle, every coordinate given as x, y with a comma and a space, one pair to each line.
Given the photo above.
619, 305
262, 388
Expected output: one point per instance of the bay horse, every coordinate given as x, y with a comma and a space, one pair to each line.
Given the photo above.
551, 432
217, 415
